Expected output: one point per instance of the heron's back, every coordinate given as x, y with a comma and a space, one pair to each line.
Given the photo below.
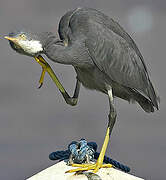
112, 51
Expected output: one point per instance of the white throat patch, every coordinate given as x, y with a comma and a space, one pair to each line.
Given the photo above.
31, 47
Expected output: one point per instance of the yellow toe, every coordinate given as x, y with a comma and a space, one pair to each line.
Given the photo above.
86, 167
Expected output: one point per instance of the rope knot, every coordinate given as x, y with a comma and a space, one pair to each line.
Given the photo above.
80, 152
83, 152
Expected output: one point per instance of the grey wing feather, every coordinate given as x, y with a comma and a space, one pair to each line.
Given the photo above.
116, 54
113, 55
111, 49
119, 60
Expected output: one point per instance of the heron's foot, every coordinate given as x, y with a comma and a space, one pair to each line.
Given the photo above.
86, 167
42, 77
44, 66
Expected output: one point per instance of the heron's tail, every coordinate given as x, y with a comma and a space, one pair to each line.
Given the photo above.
148, 104
152, 95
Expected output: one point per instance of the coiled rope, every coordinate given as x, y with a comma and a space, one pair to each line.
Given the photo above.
79, 151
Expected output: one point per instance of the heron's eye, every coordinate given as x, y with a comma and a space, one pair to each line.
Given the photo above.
23, 36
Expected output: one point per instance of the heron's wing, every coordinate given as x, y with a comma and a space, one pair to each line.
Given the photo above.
112, 50
115, 53
114, 56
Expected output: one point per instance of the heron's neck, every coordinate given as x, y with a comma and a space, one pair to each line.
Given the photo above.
53, 47
59, 53
75, 54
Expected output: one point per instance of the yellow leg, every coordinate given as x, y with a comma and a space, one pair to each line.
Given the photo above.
99, 164
46, 68
103, 150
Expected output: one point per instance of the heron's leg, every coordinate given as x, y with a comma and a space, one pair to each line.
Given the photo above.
111, 121
46, 68
99, 164
73, 100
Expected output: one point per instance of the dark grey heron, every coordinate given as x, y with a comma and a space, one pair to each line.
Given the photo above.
104, 57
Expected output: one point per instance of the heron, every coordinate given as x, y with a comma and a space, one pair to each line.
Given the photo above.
105, 59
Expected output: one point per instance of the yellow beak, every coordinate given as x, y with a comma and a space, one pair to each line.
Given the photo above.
15, 40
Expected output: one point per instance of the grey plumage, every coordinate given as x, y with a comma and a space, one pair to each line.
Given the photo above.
103, 56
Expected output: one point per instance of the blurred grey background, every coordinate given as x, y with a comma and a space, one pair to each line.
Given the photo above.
35, 122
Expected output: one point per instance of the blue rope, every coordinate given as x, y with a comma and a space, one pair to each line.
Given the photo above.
79, 151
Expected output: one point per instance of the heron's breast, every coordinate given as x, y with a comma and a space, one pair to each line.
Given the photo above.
92, 78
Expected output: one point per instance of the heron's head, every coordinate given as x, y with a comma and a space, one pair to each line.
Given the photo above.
28, 43
25, 43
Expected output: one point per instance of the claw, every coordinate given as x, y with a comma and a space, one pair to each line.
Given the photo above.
41, 84
44, 66
42, 77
